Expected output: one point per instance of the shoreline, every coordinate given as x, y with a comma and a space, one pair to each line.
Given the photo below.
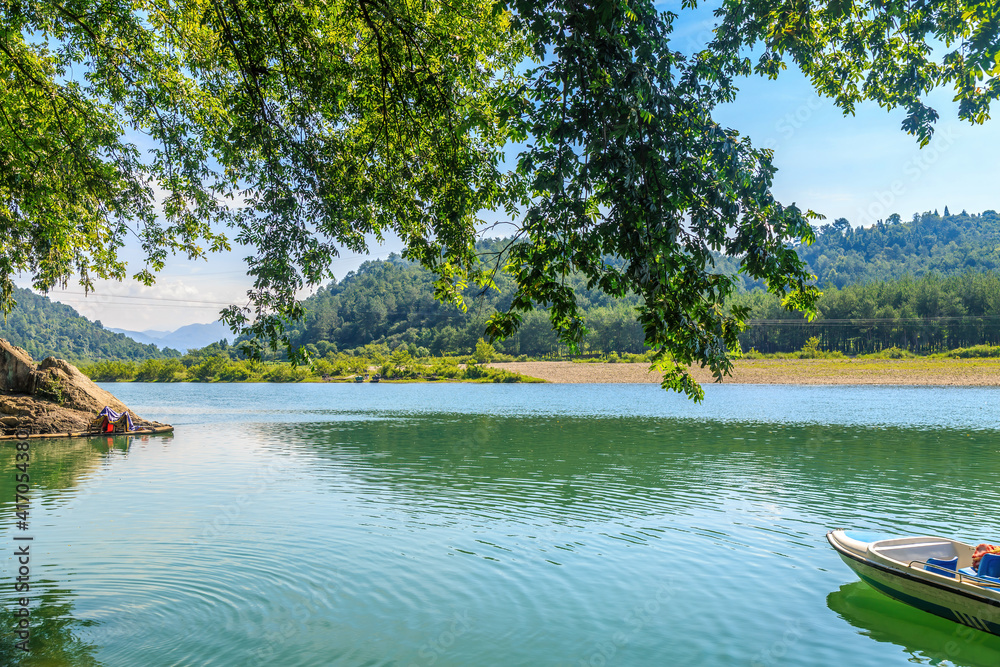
920, 371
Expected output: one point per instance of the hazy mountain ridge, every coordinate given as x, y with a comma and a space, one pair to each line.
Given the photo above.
188, 337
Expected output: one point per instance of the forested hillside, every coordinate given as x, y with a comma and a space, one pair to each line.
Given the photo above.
925, 285
46, 328
944, 244
393, 302
932, 313
948, 245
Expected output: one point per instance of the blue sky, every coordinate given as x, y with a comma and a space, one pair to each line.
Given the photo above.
860, 167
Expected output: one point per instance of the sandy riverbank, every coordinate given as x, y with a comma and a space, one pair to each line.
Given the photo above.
955, 372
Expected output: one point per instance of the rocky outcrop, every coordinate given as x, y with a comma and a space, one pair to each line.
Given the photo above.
50, 397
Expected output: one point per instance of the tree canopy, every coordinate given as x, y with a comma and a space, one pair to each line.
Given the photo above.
304, 126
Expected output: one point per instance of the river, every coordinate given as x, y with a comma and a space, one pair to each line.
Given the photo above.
463, 524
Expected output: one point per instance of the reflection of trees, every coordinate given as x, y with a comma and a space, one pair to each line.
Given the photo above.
924, 636
53, 642
57, 464
820, 469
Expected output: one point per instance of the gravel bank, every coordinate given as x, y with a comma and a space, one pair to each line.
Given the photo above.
956, 372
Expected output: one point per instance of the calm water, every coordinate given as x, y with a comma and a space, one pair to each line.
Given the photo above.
418, 525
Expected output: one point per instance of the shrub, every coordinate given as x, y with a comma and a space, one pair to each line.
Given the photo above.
484, 352
237, 371
284, 372
889, 353
111, 371
149, 370
976, 352
210, 368
474, 372
172, 370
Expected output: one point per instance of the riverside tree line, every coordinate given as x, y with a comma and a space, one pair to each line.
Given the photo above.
953, 302
385, 302
417, 338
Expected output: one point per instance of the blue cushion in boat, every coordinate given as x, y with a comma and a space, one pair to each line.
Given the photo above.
942, 566
969, 571
989, 566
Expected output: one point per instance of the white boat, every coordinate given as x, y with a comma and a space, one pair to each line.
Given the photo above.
934, 574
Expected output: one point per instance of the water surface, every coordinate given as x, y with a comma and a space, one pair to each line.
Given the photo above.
460, 524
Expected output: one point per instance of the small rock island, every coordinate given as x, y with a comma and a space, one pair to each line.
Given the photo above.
52, 398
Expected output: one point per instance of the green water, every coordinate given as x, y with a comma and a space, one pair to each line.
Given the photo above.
497, 525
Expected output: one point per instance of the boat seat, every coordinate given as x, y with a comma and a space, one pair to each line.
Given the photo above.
946, 567
968, 571
989, 566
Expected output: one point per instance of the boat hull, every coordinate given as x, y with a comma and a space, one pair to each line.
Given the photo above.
950, 602
166, 428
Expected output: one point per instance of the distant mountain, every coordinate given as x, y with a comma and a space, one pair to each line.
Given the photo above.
45, 328
144, 337
186, 338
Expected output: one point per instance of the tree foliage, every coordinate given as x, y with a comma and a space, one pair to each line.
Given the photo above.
923, 315
893, 52
392, 302
306, 127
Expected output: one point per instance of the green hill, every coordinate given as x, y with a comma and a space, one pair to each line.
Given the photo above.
929, 243
45, 328
925, 285
392, 302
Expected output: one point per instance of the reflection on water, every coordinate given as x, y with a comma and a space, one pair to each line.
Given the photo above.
55, 632
453, 526
925, 638
57, 469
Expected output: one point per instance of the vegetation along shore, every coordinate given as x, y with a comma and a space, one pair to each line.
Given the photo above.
928, 286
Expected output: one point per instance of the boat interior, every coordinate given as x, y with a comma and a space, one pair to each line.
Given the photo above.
941, 556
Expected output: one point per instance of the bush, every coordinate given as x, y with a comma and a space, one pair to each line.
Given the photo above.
500, 375
976, 352
284, 372
149, 370
209, 369
889, 353
172, 370
446, 367
111, 371
474, 372
238, 371
484, 353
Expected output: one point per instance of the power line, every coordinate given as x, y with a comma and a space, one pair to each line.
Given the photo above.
877, 321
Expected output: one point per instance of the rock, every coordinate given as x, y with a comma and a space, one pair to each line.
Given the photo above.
78, 391
16, 369
54, 397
